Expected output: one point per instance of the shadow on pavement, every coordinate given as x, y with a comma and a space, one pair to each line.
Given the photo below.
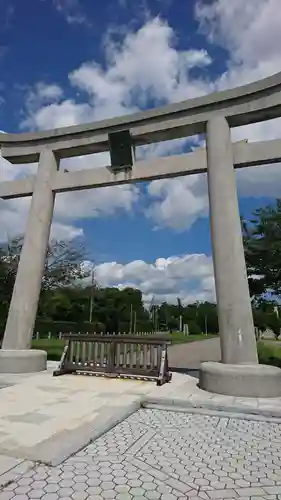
193, 372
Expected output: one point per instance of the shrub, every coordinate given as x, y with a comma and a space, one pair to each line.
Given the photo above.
269, 355
193, 328
55, 327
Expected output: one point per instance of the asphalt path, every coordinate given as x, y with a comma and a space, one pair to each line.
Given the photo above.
189, 356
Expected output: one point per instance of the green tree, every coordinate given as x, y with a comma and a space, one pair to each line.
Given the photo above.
262, 244
260, 319
6, 289
62, 263
207, 317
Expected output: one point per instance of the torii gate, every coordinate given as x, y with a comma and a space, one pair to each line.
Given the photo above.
214, 114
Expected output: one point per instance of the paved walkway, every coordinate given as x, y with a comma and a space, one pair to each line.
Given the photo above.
184, 443
162, 455
191, 355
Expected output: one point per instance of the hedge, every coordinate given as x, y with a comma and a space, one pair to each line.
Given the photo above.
57, 327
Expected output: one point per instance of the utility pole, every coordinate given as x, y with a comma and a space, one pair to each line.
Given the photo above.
131, 318
135, 322
156, 319
152, 312
206, 325
9, 249
180, 311
276, 311
92, 293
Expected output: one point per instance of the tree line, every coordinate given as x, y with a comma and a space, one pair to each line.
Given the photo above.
67, 300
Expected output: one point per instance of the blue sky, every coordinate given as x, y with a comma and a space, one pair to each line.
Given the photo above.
71, 61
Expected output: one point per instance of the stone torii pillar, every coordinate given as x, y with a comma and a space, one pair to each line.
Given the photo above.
238, 343
16, 355
239, 373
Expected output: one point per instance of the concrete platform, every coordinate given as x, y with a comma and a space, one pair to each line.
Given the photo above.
46, 419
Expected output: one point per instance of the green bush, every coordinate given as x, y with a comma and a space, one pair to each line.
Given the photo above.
141, 326
55, 327
193, 328
269, 355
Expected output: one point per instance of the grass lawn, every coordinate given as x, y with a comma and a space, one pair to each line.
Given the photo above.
54, 347
272, 340
269, 351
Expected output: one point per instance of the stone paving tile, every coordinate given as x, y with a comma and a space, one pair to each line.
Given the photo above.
165, 455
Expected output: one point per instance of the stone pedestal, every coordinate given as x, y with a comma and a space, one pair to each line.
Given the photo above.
22, 360
260, 381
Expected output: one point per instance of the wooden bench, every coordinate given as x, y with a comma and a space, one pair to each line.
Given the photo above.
123, 356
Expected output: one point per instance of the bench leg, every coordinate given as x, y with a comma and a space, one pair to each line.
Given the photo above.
161, 376
164, 374
57, 373
60, 370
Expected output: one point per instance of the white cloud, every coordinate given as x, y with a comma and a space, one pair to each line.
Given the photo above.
179, 202
129, 81
132, 79
13, 217
63, 232
89, 204
243, 29
46, 93
56, 115
126, 84
71, 11
70, 207
189, 277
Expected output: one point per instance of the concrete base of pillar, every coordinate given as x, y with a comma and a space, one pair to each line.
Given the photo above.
260, 381
22, 361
